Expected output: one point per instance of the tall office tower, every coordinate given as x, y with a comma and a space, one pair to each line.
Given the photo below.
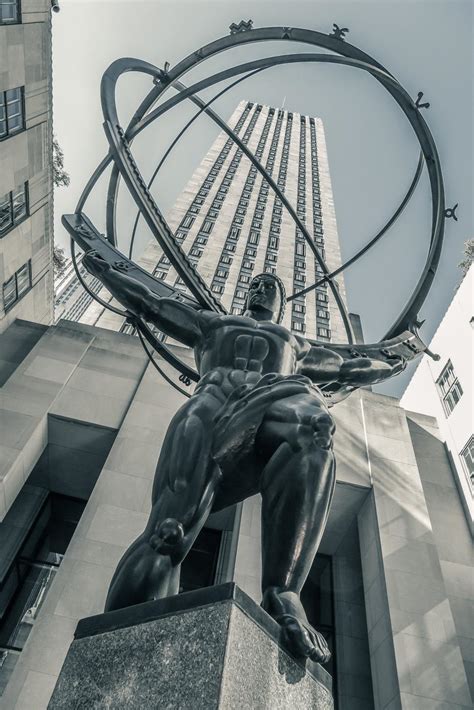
232, 226
26, 215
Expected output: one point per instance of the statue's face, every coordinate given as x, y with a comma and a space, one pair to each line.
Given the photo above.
264, 293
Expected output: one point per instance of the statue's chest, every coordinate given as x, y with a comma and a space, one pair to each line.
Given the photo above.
250, 352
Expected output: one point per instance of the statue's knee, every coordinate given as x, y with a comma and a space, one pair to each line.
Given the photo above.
323, 429
168, 536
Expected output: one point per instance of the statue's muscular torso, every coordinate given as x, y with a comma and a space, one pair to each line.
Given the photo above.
240, 344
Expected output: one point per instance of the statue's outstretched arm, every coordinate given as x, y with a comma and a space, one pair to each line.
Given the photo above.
339, 369
172, 317
362, 371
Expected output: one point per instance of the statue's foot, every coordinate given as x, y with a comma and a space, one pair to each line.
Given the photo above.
298, 634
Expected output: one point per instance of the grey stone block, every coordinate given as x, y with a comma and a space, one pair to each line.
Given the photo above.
214, 648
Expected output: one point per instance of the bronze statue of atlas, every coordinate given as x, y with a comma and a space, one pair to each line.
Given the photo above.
258, 420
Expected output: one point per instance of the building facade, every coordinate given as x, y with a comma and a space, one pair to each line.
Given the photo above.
444, 389
26, 190
232, 226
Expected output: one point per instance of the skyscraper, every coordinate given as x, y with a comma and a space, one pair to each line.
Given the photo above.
232, 226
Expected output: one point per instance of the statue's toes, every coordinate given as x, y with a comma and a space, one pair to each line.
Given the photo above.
298, 638
320, 652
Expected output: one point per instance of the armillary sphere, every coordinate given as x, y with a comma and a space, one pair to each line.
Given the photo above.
401, 337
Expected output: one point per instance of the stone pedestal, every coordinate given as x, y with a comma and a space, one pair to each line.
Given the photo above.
204, 650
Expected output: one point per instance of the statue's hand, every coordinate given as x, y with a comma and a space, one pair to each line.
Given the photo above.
397, 362
95, 264
129, 292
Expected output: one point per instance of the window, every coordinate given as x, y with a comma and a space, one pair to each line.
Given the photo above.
299, 308
324, 332
273, 242
234, 233
222, 273
298, 325
323, 314
321, 297
247, 264
449, 388
300, 277
12, 119
226, 259
187, 221
240, 294
244, 278
17, 286
196, 252
9, 12
467, 456
201, 240
207, 226
254, 237
217, 288
250, 251
300, 248
165, 261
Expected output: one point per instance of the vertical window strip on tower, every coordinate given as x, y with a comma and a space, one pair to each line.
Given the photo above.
239, 216
254, 235
208, 223
273, 242
323, 321
195, 206
262, 200
298, 310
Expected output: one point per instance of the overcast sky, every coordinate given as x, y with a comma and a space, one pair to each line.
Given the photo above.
372, 151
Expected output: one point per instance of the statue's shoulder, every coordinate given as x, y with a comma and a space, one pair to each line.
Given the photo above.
215, 321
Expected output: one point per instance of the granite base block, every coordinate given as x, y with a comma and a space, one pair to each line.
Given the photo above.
206, 650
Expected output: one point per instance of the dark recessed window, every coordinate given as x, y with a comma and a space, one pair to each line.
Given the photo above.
12, 114
300, 249
298, 325
449, 388
207, 226
9, 12
17, 286
467, 456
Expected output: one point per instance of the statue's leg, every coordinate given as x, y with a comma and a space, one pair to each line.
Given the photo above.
183, 492
297, 486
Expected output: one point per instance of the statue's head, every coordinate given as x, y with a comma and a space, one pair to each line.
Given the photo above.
266, 297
